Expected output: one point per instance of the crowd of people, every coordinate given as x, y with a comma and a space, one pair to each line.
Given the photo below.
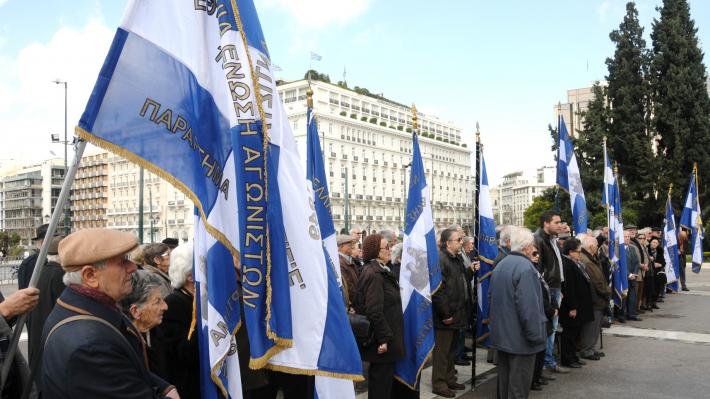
110, 318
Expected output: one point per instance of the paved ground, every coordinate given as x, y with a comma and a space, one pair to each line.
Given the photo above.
667, 355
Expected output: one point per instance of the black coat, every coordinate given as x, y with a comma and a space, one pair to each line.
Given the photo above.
576, 295
50, 287
450, 299
379, 299
549, 263
182, 366
24, 271
87, 359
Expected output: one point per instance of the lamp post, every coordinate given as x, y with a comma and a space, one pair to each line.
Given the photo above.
67, 227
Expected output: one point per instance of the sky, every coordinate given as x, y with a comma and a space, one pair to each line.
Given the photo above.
503, 64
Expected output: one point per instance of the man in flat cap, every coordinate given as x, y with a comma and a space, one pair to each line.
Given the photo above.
24, 271
91, 349
348, 270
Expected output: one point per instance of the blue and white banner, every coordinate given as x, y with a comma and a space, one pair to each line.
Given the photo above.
670, 247
325, 386
186, 91
568, 178
487, 252
617, 252
419, 275
692, 220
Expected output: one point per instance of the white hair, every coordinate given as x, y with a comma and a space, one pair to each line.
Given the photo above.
74, 277
397, 252
53, 258
180, 265
520, 238
587, 241
505, 234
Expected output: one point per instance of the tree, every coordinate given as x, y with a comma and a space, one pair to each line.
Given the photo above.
315, 75
630, 139
681, 108
545, 202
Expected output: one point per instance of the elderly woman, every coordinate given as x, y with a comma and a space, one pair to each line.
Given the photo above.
379, 299
156, 259
577, 308
145, 306
180, 353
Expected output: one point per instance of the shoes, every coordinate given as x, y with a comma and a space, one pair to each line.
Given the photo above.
542, 381
462, 362
456, 386
660, 300
669, 291
467, 357
444, 393
546, 376
600, 354
573, 365
685, 289
591, 357
467, 349
634, 318
641, 310
654, 306
581, 362
536, 387
621, 320
557, 369
606, 324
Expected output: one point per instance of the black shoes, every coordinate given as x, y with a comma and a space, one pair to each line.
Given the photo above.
535, 387
685, 289
591, 357
634, 318
462, 362
456, 386
444, 393
573, 365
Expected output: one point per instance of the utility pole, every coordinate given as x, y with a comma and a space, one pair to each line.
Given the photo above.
140, 205
67, 222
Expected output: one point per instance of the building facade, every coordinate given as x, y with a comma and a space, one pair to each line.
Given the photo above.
28, 195
577, 102
367, 150
518, 191
90, 192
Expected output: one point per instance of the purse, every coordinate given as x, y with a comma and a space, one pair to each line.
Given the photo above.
363, 331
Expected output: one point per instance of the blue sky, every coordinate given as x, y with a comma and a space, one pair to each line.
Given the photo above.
504, 63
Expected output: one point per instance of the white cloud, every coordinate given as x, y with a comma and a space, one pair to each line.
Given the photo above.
319, 13
2, 2
31, 105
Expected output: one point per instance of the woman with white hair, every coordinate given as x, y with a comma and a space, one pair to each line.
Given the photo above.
180, 353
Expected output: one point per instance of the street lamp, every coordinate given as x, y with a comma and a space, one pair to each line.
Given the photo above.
65, 142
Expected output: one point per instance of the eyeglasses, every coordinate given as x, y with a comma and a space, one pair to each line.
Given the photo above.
535, 253
165, 255
387, 248
459, 239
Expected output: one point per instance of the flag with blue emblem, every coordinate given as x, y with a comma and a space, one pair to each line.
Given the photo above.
419, 275
341, 342
691, 219
487, 252
670, 246
568, 178
617, 252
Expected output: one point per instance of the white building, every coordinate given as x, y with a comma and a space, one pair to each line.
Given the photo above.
28, 195
577, 101
367, 145
518, 190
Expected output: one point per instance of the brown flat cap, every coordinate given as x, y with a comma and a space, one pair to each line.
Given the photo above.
54, 245
86, 247
344, 239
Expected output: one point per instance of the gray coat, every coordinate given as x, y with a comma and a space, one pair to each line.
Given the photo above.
517, 316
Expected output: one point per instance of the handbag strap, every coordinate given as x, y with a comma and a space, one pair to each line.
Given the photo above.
85, 317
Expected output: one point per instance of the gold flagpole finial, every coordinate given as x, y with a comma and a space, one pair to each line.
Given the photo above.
670, 189
415, 125
616, 168
309, 97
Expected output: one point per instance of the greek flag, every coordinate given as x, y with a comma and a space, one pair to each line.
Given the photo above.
487, 252
670, 247
419, 275
691, 219
336, 320
569, 180
617, 252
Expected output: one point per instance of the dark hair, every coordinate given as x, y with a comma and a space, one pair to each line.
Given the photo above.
571, 244
371, 247
151, 251
654, 238
547, 216
445, 236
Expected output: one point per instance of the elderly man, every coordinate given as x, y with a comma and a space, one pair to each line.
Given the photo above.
348, 270
356, 234
91, 349
633, 267
517, 316
601, 294
503, 243
18, 303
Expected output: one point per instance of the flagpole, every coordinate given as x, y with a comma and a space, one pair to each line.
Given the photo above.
475, 232
51, 229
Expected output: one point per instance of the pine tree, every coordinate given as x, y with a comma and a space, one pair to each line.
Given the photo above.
681, 108
628, 95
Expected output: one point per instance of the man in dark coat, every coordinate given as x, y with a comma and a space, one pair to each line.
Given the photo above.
449, 303
24, 271
348, 270
50, 287
91, 349
550, 265
517, 317
577, 306
601, 294
633, 267
16, 304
